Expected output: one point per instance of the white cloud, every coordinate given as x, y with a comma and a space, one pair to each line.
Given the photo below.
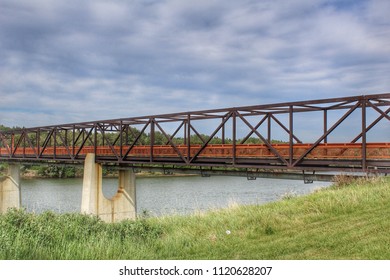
110, 59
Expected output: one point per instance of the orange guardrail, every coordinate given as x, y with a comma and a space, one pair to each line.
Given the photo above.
321, 151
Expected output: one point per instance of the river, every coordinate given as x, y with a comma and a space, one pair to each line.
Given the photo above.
165, 195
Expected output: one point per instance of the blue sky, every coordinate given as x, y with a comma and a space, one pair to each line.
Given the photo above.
72, 61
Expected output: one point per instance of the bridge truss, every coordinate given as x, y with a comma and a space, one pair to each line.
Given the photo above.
337, 134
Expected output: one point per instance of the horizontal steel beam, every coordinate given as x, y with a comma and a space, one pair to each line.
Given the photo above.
298, 106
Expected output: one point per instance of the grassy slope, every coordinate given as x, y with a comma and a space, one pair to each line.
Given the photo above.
350, 222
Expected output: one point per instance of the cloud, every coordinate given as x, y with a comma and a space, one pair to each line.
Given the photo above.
69, 61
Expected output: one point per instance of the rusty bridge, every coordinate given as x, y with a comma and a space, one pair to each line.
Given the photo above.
240, 137
291, 140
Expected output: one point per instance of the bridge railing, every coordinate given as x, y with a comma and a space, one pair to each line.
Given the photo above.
322, 151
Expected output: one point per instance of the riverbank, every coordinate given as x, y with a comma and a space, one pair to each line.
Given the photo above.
349, 220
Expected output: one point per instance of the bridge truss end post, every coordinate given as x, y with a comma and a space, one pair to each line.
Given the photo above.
10, 189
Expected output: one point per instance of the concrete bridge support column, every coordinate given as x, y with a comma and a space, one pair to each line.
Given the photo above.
121, 206
10, 189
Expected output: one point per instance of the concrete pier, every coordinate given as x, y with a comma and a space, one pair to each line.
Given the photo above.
121, 206
10, 189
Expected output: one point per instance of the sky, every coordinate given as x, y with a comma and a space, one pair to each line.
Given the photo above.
73, 61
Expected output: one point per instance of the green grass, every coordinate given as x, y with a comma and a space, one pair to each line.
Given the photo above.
350, 220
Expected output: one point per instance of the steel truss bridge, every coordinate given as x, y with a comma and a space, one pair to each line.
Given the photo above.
237, 138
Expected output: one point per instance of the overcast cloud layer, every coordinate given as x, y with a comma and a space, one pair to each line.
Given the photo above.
70, 61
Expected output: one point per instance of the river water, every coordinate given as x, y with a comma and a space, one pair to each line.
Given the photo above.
165, 195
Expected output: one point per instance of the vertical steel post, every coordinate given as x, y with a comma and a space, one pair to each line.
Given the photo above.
152, 129
121, 140
291, 124
325, 130
364, 135
24, 143
188, 133
39, 141
73, 139
103, 136
95, 139
223, 131
234, 136
55, 143
269, 128
185, 132
325, 125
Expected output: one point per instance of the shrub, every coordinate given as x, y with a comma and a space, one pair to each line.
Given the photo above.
343, 180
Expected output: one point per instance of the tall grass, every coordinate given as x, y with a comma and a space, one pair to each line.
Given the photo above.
346, 221
68, 236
